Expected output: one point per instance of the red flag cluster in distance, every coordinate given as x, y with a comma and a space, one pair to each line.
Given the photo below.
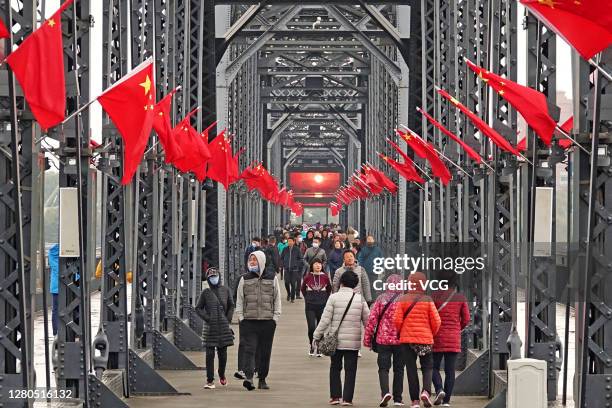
258, 178
365, 183
426, 151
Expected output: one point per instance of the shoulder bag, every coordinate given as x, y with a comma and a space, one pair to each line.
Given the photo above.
329, 343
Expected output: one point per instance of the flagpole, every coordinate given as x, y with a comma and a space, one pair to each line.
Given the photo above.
439, 152
79, 110
601, 69
567, 135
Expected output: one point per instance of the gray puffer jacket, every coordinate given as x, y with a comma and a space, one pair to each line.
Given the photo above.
350, 333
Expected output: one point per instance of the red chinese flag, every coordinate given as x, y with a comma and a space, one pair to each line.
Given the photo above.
438, 168
186, 136
163, 128
38, 65
531, 103
130, 103
361, 186
568, 125
219, 166
335, 209
487, 130
406, 170
372, 183
521, 146
234, 168
4, 32
382, 179
414, 143
585, 24
467, 149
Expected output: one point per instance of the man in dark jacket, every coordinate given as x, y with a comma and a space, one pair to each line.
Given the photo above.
255, 246
293, 266
216, 307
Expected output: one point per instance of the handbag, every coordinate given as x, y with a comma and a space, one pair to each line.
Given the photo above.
374, 347
329, 343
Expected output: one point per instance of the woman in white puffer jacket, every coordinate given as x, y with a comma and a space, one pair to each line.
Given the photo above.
349, 336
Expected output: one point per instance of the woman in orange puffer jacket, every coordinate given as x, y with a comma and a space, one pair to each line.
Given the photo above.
417, 321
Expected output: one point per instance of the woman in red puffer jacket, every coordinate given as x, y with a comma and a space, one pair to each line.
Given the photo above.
455, 314
387, 340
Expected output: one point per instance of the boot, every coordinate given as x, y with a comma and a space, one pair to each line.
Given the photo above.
262, 385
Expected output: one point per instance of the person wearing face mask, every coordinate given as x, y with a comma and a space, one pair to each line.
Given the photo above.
283, 243
334, 261
254, 246
216, 307
316, 289
291, 260
301, 244
315, 251
258, 307
367, 255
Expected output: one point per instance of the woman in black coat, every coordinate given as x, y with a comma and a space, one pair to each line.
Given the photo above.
216, 307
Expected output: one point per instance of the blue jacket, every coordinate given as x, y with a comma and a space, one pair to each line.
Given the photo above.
366, 257
53, 255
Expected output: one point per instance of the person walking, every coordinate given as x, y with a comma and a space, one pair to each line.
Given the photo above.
349, 265
345, 312
258, 307
254, 246
316, 288
417, 321
315, 251
309, 238
382, 337
216, 307
334, 261
53, 259
326, 241
367, 255
291, 259
455, 315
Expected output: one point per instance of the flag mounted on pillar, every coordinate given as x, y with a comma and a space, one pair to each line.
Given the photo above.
487, 130
220, 164
467, 149
381, 177
530, 103
163, 128
38, 65
335, 208
405, 169
187, 138
130, 103
585, 24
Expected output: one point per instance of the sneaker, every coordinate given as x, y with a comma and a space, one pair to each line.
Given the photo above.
292, 301
311, 352
415, 404
262, 385
439, 398
223, 381
248, 384
240, 375
334, 401
385, 400
319, 355
347, 404
210, 386
288, 298
446, 404
359, 354
425, 398
399, 403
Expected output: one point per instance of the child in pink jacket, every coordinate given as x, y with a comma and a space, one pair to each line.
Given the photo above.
387, 342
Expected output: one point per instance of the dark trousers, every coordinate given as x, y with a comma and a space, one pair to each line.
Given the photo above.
350, 372
387, 354
313, 317
294, 288
210, 362
410, 358
450, 360
54, 313
256, 334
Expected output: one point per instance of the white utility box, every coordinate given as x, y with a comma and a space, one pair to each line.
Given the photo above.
526, 383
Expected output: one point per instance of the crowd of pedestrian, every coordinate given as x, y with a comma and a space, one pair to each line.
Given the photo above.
332, 269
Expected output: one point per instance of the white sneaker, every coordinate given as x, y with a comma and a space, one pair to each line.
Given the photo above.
446, 404
210, 386
359, 354
311, 352
399, 404
319, 355
385, 400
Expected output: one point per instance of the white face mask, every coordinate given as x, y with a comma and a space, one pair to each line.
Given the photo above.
315, 245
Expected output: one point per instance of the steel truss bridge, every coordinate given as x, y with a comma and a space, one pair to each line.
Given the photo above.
305, 84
